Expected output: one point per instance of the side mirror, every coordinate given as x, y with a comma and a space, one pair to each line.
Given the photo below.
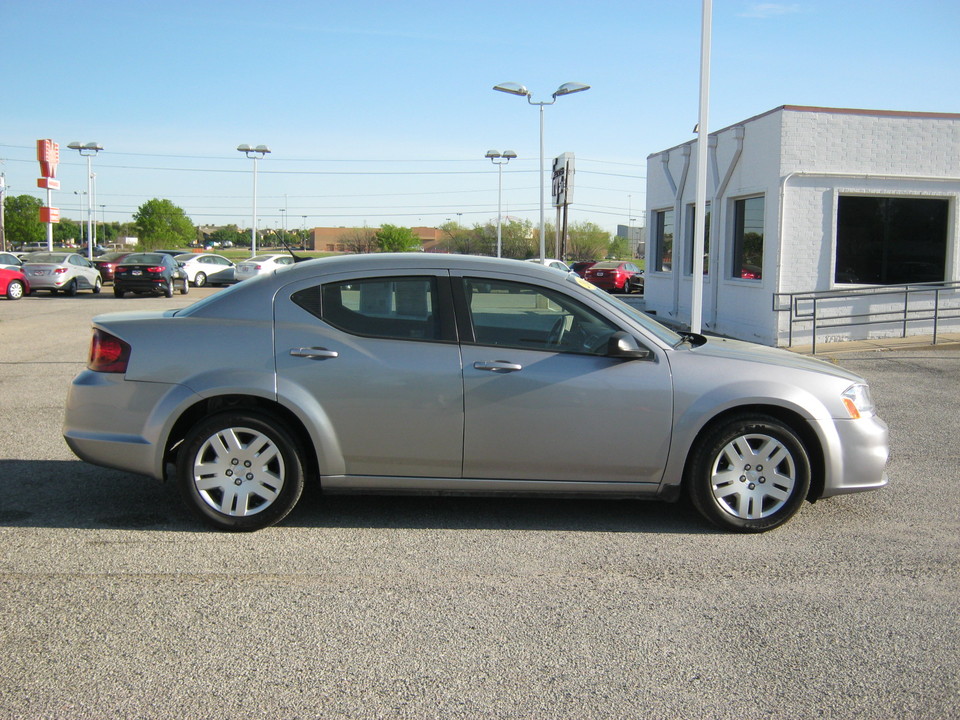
624, 345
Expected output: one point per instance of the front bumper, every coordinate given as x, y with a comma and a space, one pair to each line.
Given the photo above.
862, 457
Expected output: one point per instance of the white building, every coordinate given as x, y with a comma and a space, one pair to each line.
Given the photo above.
806, 199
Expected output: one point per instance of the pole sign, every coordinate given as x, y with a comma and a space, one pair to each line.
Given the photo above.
48, 153
562, 180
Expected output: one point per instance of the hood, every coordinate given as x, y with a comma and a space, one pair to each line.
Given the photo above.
751, 352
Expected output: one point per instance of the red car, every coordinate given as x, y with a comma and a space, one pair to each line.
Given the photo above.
13, 284
581, 267
615, 276
107, 263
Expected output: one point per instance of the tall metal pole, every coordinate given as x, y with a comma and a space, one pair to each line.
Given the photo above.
253, 223
499, 209
543, 226
703, 137
3, 228
89, 208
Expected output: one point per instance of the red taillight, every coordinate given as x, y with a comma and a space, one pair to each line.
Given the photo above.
59, 271
108, 354
157, 269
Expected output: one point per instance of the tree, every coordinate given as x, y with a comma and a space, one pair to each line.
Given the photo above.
469, 241
391, 238
22, 221
519, 240
619, 248
586, 241
161, 223
359, 240
227, 236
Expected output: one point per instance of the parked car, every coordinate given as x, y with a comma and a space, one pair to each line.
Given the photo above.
450, 373
9, 261
56, 271
151, 272
552, 263
107, 262
615, 276
581, 267
204, 268
261, 265
13, 284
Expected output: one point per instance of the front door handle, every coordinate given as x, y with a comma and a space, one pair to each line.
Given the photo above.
314, 353
498, 366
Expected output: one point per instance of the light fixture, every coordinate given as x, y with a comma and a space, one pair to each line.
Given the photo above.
254, 153
88, 150
568, 88
500, 159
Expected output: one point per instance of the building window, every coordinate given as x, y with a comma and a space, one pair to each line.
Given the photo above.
691, 230
890, 241
748, 239
663, 241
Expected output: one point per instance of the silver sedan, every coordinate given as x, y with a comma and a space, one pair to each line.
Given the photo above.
457, 374
61, 271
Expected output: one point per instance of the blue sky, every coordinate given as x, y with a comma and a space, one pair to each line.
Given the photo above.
381, 112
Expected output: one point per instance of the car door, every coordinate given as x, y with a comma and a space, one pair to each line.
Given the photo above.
543, 401
374, 360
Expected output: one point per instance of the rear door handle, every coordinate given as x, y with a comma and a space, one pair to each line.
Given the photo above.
498, 366
314, 353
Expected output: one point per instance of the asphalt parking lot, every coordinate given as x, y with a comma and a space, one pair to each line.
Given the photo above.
116, 603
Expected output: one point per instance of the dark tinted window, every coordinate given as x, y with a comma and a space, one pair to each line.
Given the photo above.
400, 308
889, 240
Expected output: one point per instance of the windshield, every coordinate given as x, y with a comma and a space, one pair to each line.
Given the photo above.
42, 257
147, 258
663, 333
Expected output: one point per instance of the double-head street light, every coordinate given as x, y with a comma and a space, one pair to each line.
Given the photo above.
88, 150
517, 89
255, 153
500, 159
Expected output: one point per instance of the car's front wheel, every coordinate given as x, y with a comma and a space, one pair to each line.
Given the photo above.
750, 473
240, 471
15, 290
199, 280
97, 286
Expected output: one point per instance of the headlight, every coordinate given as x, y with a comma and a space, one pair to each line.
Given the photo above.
856, 399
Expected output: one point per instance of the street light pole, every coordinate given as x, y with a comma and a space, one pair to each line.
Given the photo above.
500, 159
513, 88
255, 153
88, 150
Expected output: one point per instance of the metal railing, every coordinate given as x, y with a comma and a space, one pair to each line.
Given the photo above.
891, 305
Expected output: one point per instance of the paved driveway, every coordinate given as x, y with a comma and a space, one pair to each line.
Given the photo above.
115, 603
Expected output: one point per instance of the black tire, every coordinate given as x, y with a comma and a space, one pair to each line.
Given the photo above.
97, 286
240, 471
750, 473
71, 288
15, 290
168, 289
184, 286
117, 292
199, 280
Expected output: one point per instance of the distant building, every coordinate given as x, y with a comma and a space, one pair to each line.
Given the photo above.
346, 239
636, 236
803, 199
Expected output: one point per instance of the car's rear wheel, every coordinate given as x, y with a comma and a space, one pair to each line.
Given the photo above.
71, 288
15, 290
117, 292
168, 289
750, 473
240, 471
199, 280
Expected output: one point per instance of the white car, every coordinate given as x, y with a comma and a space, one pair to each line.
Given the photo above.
9, 261
207, 269
552, 263
261, 265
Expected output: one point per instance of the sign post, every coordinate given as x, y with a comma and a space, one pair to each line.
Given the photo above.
48, 154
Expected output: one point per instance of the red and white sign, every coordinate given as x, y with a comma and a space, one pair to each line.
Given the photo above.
48, 153
49, 214
48, 183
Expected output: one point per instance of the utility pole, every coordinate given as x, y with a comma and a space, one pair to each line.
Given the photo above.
3, 197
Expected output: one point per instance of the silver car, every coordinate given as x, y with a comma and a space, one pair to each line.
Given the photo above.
56, 271
457, 374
